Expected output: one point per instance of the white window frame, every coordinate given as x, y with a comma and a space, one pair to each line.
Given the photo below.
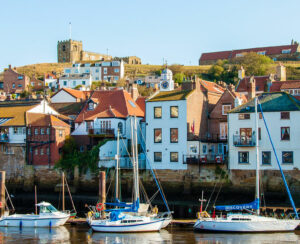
223, 106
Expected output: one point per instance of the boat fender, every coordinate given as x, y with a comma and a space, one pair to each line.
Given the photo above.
100, 206
21, 224
50, 224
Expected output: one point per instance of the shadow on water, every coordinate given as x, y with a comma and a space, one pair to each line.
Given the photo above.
80, 234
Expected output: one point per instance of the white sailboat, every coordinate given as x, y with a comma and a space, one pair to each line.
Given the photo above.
126, 217
249, 222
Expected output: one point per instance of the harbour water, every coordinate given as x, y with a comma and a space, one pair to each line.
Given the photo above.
82, 234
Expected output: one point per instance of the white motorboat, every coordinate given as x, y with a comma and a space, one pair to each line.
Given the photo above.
48, 216
129, 217
250, 222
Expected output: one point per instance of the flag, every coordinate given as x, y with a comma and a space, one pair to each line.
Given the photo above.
193, 127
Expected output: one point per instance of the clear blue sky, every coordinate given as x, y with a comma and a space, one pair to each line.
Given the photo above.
178, 31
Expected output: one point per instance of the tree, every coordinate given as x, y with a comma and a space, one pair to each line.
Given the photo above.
145, 91
254, 64
179, 77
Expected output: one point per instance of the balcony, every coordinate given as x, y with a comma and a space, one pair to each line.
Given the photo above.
243, 141
4, 138
213, 138
102, 132
205, 159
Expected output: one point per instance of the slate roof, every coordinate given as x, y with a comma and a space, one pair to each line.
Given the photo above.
170, 95
68, 108
271, 102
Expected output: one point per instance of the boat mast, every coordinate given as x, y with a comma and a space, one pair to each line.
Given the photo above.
117, 168
63, 191
133, 160
137, 187
257, 155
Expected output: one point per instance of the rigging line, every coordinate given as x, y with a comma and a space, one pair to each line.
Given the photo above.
13, 207
277, 160
153, 171
218, 194
145, 194
154, 195
74, 208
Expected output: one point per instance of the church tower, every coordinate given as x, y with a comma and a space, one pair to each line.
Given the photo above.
166, 80
69, 51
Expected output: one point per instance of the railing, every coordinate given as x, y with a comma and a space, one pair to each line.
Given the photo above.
4, 138
124, 162
102, 131
208, 138
205, 159
243, 141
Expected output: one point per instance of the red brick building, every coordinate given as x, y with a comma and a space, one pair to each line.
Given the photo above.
14, 82
46, 134
36, 84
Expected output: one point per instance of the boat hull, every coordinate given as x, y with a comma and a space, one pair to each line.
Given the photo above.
275, 225
32, 221
149, 226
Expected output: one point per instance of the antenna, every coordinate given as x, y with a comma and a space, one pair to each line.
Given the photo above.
70, 30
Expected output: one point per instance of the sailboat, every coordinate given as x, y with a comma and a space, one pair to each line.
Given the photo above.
238, 222
65, 183
125, 217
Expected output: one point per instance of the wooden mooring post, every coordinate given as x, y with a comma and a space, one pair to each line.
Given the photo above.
2, 191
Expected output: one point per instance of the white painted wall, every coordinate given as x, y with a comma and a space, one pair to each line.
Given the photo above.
73, 82
63, 97
166, 123
44, 108
17, 138
94, 71
274, 123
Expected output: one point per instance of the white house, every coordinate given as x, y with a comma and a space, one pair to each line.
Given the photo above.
68, 95
282, 114
51, 81
75, 80
106, 113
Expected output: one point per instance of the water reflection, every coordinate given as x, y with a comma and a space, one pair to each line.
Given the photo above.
34, 235
230, 238
146, 238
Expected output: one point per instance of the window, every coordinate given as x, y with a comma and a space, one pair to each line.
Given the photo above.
83, 82
238, 55
259, 133
42, 151
13, 85
117, 70
64, 48
105, 71
48, 131
19, 130
157, 156
286, 51
87, 71
42, 131
65, 83
243, 157
174, 111
266, 158
174, 135
74, 82
174, 156
36, 151
67, 71
19, 85
60, 133
36, 131
225, 109
287, 157
97, 70
193, 149
285, 133
28, 131
91, 106
47, 151
285, 115
157, 136
157, 112
105, 77
244, 116
261, 52
20, 77
120, 127
220, 148
204, 149
260, 115
116, 78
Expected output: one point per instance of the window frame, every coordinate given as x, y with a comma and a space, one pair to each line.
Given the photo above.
270, 158
155, 129
223, 106
244, 115
282, 135
154, 116
239, 157
171, 129
282, 155
154, 158
171, 116
284, 113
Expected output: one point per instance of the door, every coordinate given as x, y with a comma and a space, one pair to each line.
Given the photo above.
245, 135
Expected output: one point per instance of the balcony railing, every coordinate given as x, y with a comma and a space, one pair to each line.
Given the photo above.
4, 138
205, 159
208, 138
102, 132
244, 141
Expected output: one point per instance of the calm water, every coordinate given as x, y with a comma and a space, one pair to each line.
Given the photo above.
71, 234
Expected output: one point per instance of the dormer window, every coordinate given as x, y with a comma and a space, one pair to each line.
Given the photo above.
91, 106
286, 51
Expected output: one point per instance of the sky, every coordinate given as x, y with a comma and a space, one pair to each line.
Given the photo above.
154, 30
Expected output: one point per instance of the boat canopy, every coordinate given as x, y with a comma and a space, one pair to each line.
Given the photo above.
44, 204
251, 205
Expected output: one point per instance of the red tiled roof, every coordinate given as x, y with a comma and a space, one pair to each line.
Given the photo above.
211, 86
140, 101
232, 54
291, 84
75, 93
260, 82
239, 95
114, 103
48, 76
37, 119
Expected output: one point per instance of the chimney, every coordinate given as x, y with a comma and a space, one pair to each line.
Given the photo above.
134, 91
281, 72
241, 73
102, 87
231, 87
269, 82
9, 66
188, 85
251, 88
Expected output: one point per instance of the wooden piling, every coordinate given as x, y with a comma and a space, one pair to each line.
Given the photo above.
102, 188
2, 191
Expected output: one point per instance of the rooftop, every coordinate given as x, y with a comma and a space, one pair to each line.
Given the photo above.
271, 102
171, 95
